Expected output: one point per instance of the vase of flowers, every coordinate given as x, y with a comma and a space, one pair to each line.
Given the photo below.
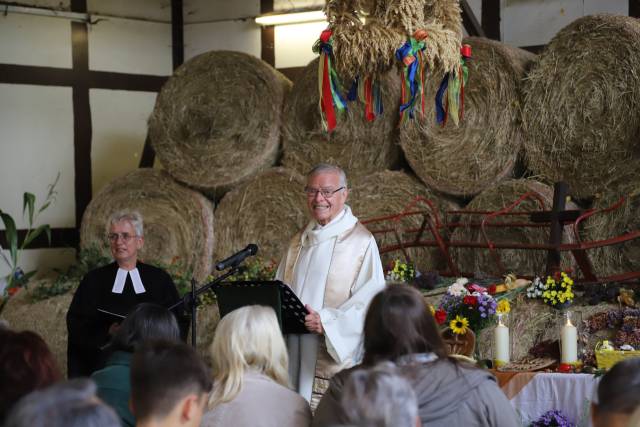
467, 305
558, 291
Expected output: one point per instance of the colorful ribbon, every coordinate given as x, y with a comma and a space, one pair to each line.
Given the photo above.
329, 86
452, 86
410, 54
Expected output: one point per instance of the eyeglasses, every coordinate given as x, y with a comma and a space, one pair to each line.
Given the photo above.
327, 194
126, 237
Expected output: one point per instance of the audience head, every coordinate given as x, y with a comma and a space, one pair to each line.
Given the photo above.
247, 338
144, 323
379, 397
618, 394
169, 384
26, 364
125, 235
70, 404
326, 192
399, 323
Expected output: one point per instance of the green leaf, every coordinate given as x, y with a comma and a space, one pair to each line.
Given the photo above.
28, 202
33, 234
12, 236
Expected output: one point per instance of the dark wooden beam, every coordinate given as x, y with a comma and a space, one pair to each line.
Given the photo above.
634, 8
267, 36
177, 33
491, 18
469, 20
60, 238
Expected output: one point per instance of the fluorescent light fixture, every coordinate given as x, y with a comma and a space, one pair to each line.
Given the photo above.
291, 18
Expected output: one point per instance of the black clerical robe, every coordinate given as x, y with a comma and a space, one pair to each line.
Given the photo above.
88, 328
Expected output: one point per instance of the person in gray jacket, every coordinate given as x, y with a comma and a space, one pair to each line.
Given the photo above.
400, 328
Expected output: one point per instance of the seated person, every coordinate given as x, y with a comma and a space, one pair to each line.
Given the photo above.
116, 288
618, 395
169, 385
69, 404
250, 374
379, 397
146, 322
399, 328
26, 364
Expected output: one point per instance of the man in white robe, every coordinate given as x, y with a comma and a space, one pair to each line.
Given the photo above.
334, 267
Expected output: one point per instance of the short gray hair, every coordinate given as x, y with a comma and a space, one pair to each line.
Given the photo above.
69, 404
133, 217
379, 397
327, 168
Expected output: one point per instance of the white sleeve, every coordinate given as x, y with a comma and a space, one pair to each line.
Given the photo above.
343, 325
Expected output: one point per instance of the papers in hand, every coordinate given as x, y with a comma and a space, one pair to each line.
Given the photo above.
116, 316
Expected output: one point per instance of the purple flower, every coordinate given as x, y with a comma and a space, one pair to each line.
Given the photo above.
553, 418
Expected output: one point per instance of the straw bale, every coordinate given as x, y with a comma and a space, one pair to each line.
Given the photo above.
178, 222
624, 257
582, 97
358, 146
521, 262
216, 121
268, 210
388, 193
463, 160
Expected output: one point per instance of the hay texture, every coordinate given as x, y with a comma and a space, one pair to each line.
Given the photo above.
267, 211
358, 146
463, 160
389, 193
581, 104
178, 222
216, 121
624, 257
479, 261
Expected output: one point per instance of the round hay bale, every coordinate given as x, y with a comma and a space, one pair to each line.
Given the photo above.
358, 146
479, 261
463, 160
581, 104
216, 121
268, 210
388, 193
624, 257
178, 222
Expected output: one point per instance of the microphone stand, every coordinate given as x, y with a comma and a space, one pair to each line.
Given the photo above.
190, 299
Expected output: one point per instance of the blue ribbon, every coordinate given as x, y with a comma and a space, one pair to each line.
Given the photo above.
441, 114
408, 49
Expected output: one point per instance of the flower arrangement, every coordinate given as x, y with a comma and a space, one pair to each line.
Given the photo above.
536, 289
503, 306
553, 418
558, 290
466, 305
401, 272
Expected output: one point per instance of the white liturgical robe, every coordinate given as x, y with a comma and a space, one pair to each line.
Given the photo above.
335, 269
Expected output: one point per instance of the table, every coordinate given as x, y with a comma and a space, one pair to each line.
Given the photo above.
533, 393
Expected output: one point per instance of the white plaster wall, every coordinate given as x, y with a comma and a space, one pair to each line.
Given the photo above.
241, 36
130, 46
43, 260
297, 4
52, 4
293, 43
119, 130
154, 10
35, 40
200, 11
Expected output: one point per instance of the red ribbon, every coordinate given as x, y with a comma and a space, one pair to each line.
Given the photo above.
327, 97
368, 105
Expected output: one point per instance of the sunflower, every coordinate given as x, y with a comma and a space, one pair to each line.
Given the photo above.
459, 325
503, 306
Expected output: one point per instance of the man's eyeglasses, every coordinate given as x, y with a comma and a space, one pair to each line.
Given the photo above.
126, 237
311, 192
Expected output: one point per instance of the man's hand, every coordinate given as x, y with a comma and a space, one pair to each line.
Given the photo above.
312, 321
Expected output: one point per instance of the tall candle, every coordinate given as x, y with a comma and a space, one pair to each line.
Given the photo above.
501, 342
569, 342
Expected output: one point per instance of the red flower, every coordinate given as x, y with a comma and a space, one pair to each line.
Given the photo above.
491, 290
12, 291
470, 300
441, 316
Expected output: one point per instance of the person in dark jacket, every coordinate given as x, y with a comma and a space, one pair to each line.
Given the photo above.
146, 322
399, 328
107, 294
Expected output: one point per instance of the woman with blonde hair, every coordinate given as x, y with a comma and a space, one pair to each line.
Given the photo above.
251, 382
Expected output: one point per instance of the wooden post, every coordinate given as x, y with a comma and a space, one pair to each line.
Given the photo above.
560, 193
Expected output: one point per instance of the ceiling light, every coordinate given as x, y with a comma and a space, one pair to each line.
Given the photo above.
291, 18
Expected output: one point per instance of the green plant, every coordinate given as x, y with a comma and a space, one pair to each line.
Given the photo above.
17, 278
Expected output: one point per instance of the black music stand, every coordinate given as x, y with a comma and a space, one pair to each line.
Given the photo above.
289, 310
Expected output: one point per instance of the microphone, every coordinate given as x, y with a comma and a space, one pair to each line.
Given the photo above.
237, 258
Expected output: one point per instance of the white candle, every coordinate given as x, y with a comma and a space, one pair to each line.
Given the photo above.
501, 343
569, 343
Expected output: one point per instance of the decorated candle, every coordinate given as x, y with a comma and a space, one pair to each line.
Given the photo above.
569, 341
501, 341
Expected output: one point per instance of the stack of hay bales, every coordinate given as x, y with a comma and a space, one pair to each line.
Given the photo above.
358, 146
389, 193
582, 99
482, 150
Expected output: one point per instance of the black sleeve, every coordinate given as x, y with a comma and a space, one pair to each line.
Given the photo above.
171, 297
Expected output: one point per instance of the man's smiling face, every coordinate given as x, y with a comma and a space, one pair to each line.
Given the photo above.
324, 209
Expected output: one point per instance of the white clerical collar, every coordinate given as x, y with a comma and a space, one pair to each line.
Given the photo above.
121, 278
341, 223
